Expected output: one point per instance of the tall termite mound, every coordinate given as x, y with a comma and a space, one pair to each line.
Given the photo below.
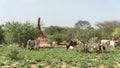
44, 41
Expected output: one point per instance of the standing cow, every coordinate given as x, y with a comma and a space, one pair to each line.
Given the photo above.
71, 44
112, 43
105, 42
33, 44
83, 46
101, 47
29, 44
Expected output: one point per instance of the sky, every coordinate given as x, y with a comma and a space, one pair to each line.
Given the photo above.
63, 13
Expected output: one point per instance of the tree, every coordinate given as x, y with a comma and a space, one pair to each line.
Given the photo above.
1, 34
106, 28
116, 33
53, 30
56, 33
15, 32
58, 37
91, 33
82, 24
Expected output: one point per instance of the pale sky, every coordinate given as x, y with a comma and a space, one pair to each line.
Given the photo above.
59, 12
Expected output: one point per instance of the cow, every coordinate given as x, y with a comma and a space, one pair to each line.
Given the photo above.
33, 44
82, 45
111, 43
71, 43
101, 48
29, 44
105, 42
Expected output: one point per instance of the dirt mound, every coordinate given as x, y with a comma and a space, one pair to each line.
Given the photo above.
44, 41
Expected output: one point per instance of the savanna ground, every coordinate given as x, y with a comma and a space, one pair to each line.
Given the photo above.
56, 57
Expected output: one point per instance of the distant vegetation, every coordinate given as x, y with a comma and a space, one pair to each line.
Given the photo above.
13, 33
83, 30
19, 33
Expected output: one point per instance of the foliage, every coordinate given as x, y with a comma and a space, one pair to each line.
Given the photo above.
65, 34
16, 32
56, 33
82, 24
1, 34
106, 28
70, 33
58, 37
51, 30
13, 55
116, 33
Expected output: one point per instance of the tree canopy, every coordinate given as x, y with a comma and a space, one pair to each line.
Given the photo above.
106, 28
16, 32
1, 34
116, 33
82, 24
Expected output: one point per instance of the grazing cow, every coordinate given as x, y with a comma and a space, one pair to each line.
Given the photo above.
112, 43
105, 42
29, 44
83, 46
36, 42
71, 47
74, 43
33, 44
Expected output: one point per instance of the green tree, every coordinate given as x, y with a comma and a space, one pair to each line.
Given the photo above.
16, 32
56, 33
82, 30
53, 30
116, 33
1, 34
106, 28
90, 33
58, 37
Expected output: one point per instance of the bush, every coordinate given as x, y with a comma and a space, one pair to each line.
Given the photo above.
14, 55
58, 37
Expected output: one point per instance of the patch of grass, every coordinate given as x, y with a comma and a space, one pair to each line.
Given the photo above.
54, 57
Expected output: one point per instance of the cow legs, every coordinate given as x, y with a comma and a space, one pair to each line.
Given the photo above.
83, 50
27, 47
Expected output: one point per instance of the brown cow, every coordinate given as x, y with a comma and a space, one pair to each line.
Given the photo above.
71, 44
101, 48
74, 43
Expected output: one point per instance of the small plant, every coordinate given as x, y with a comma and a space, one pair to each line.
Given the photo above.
13, 55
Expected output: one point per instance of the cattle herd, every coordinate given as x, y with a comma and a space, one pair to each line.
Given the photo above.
99, 47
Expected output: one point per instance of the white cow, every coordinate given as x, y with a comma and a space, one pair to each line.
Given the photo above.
112, 43
71, 47
105, 42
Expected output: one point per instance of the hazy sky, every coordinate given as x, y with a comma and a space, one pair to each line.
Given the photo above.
59, 12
